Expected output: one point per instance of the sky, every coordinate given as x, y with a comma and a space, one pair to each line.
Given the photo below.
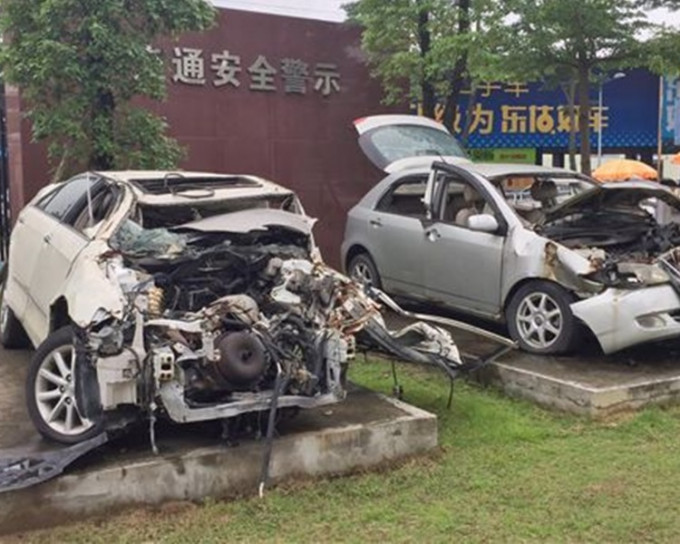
327, 10
330, 10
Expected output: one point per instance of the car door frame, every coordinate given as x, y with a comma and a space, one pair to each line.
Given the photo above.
43, 294
409, 283
434, 226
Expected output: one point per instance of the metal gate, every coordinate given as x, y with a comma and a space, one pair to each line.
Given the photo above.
5, 217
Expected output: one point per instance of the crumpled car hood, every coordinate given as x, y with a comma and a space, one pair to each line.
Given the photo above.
249, 220
626, 193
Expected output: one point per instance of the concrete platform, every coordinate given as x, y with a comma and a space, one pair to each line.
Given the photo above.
365, 431
586, 383
573, 386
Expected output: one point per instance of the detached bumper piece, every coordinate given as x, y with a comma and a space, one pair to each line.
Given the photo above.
24, 471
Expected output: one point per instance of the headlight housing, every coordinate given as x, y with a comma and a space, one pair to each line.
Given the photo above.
642, 274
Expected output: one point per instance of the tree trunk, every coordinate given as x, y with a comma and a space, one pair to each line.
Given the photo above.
584, 115
429, 99
569, 90
468, 114
460, 68
101, 157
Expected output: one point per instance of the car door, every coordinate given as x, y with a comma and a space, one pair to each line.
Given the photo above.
29, 231
395, 236
463, 266
60, 246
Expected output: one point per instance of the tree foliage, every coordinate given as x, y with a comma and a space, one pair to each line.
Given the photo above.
79, 65
428, 49
589, 40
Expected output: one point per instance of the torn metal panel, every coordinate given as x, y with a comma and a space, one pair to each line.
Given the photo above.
22, 471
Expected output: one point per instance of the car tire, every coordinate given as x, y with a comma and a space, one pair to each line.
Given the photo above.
540, 319
50, 391
362, 268
12, 334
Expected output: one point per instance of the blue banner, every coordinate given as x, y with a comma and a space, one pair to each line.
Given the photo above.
520, 115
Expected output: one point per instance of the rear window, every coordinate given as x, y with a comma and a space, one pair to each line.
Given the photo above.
388, 144
179, 184
406, 198
61, 202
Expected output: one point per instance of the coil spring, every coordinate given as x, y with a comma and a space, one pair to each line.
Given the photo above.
156, 301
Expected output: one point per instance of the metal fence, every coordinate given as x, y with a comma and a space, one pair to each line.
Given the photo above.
5, 214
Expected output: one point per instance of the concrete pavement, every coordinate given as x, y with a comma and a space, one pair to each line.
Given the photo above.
15, 427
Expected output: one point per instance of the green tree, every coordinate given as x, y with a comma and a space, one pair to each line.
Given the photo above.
587, 40
427, 50
80, 63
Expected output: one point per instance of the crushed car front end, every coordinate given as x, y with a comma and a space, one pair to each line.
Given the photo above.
629, 290
208, 307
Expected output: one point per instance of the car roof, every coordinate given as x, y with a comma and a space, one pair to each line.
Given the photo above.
496, 170
220, 186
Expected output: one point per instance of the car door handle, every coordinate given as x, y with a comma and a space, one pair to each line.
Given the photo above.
432, 235
375, 222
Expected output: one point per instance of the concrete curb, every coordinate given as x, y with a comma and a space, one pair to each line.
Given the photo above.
219, 472
576, 397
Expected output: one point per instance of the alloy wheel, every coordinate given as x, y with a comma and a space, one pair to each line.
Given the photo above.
55, 393
539, 320
362, 273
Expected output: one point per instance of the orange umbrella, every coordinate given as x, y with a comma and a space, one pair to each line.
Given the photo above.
623, 169
676, 158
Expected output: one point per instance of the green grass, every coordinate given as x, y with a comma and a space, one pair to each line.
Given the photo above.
507, 472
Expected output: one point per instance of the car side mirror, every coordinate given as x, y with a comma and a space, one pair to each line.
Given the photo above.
483, 222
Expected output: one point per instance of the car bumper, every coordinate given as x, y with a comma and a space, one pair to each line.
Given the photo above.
622, 318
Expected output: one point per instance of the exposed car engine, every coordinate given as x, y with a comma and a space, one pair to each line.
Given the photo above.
623, 241
621, 234
220, 323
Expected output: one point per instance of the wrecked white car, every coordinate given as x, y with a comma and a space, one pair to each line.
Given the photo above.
545, 250
188, 295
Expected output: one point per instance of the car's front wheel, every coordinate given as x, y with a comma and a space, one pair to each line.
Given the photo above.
50, 391
540, 319
362, 268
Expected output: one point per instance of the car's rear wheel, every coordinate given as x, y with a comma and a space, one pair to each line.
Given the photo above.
540, 319
12, 335
50, 391
362, 268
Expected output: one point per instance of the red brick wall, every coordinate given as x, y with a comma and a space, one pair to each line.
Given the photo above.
305, 142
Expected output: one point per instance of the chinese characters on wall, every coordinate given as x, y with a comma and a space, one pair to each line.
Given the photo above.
191, 66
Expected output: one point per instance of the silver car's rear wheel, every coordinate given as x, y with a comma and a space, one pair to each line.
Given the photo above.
539, 320
362, 268
50, 391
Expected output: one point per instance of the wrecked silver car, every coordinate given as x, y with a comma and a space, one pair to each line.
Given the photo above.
185, 295
547, 251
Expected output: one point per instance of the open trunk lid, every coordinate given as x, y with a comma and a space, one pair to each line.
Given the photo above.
396, 142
